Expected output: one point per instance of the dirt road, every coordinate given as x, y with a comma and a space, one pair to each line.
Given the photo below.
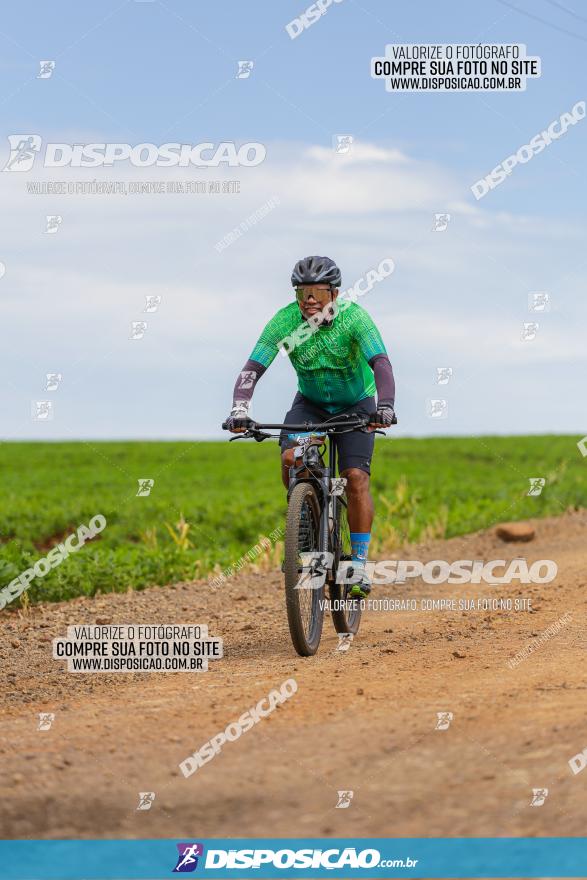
362, 721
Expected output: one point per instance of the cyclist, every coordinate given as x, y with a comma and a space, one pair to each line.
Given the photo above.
340, 361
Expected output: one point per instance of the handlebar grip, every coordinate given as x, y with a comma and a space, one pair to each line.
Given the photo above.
393, 421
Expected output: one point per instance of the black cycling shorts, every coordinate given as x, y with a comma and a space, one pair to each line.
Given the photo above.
355, 449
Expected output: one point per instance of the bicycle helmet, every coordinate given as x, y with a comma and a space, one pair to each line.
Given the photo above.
316, 270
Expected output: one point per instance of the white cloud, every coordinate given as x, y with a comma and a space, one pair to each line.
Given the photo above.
358, 153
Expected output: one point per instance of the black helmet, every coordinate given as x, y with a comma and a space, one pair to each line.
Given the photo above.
316, 270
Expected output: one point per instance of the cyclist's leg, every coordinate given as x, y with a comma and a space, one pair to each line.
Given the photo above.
302, 410
360, 503
355, 451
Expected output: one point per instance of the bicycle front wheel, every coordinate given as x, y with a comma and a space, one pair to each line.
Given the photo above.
303, 598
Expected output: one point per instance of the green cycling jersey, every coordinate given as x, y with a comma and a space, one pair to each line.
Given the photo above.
332, 360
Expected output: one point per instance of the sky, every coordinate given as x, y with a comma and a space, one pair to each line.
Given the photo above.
165, 71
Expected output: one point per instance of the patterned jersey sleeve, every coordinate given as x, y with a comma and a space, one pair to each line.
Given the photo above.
367, 335
265, 351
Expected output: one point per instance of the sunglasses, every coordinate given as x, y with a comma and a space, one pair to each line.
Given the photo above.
321, 295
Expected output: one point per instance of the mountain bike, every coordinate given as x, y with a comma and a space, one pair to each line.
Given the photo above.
317, 535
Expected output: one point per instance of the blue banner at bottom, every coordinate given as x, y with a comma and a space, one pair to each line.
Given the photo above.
293, 857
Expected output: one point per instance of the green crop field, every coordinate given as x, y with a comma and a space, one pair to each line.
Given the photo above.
211, 502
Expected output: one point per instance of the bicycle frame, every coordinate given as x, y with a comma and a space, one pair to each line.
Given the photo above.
310, 463
323, 480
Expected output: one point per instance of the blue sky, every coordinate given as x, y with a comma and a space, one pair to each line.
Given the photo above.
165, 71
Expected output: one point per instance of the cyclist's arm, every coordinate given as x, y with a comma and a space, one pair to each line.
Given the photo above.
245, 383
374, 352
262, 356
384, 380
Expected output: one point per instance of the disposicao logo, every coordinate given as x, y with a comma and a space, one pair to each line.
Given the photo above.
24, 149
187, 859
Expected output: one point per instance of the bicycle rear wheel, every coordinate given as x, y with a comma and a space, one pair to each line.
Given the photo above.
305, 606
346, 613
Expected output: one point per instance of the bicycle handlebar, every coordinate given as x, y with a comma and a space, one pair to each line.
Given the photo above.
351, 422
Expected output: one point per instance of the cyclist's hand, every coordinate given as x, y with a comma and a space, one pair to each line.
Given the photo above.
383, 418
238, 421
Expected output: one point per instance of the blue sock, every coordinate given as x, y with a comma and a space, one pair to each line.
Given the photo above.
360, 547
